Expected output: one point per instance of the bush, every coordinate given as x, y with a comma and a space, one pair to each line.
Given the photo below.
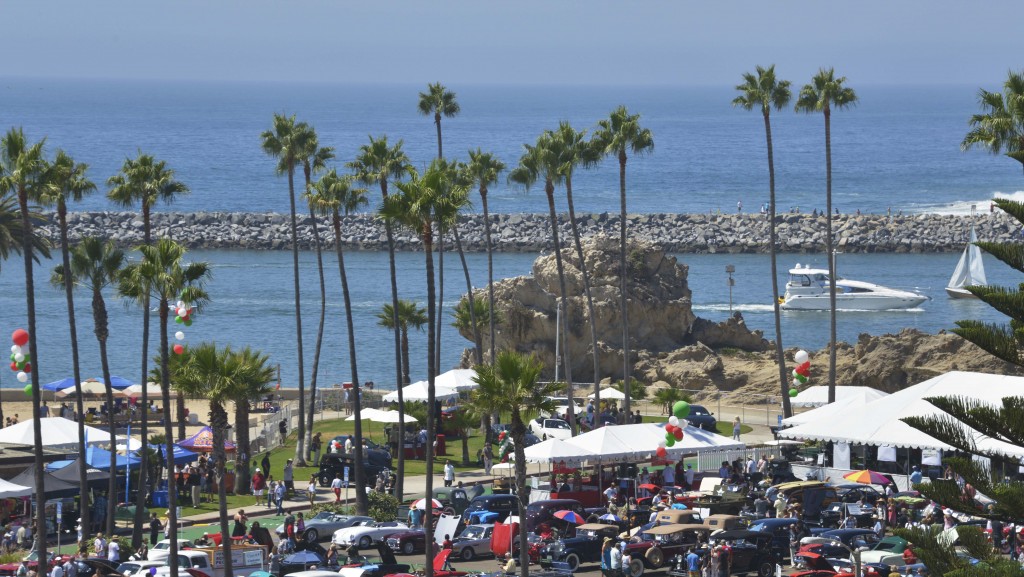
14, 557
339, 508
383, 507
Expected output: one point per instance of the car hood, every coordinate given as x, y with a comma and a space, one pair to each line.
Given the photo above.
405, 534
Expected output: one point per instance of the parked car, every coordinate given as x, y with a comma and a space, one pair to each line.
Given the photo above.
365, 533
162, 549
836, 514
752, 552
585, 547
854, 492
888, 551
660, 545
454, 499
407, 542
332, 464
502, 505
324, 524
852, 538
813, 496
779, 529
720, 522
136, 568
473, 542
547, 428
543, 511
703, 418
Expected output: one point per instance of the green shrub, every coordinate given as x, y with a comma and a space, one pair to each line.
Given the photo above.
383, 507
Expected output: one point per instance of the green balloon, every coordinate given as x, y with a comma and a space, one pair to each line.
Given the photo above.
28, 390
188, 322
179, 320
12, 358
793, 392
681, 409
28, 357
670, 441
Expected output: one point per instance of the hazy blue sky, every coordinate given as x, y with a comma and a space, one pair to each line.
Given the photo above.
480, 41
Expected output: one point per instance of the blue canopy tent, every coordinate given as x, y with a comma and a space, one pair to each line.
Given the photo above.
116, 382
98, 458
181, 456
59, 385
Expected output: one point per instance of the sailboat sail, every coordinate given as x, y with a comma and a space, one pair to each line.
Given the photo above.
970, 271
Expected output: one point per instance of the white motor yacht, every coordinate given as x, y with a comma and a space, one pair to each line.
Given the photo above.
807, 290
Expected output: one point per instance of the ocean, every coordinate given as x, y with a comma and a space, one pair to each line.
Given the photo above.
898, 149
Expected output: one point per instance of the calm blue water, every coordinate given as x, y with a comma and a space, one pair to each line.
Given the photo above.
252, 305
898, 148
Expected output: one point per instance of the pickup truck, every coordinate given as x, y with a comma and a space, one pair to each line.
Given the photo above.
209, 561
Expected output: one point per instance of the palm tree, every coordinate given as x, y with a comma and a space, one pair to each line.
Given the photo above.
423, 202
285, 142
145, 181
669, 396
330, 195
23, 173
543, 160
618, 135
510, 385
485, 169
379, 163
824, 93
439, 101
409, 315
577, 152
96, 264
1001, 126
314, 160
70, 183
256, 380
164, 276
767, 92
458, 174
481, 315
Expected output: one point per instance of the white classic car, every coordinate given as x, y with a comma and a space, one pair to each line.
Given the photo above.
547, 428
366, 533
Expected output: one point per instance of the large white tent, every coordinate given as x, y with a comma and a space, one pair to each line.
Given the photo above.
817, 396
9, 490
417, 393
610, 393
623, 443
459, 379
878, 423
557, 451
57, 432
836, 409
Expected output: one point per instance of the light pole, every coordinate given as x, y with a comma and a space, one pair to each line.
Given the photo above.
729, 269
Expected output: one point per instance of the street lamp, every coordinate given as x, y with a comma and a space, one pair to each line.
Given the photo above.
729, 269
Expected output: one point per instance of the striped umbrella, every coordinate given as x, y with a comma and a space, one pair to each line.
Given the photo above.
867, 477
570, 517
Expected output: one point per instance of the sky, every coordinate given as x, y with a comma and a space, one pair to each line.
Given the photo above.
594, 42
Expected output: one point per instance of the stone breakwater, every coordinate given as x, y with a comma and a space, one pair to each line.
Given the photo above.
676, 233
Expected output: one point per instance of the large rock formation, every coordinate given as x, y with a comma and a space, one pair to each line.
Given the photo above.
659, 310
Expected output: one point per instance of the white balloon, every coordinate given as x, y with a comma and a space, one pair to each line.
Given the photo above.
181, 304
661, 443
673, 420
18, 357
15, 349
801, 357
683, 423
182, 312
179, 335
22, 377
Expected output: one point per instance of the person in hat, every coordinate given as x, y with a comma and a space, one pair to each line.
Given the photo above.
688, 476
259, 482
915, 476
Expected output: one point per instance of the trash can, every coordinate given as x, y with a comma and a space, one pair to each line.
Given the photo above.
160, 498
440, 445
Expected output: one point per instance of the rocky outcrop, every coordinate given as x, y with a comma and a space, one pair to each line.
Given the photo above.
676, 233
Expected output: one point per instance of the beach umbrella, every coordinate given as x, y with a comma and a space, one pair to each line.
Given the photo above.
365, 414
116, 382
867, 477
570, 517
135, 391
90, 388
58, 385
610, 517
421, 504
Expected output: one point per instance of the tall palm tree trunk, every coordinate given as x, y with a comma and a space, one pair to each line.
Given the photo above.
437, 123
219, 424
400, 477
319, 333
830, 249
406, 379
780, 357
172, 487
143, 485
37, 427
299, 453
428, 525
623, 288
76, 370
586, 288
490, 271
99, 312
522, 498
440, 299
242, 446
478, 354
549, 189
362, 503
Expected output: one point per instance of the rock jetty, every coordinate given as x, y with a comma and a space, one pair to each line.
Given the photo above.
675, 233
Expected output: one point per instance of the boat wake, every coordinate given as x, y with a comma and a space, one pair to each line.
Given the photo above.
963, 207
741, 307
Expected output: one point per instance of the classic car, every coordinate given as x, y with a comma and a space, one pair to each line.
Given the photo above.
407, 542
547, 428
725, 499
366, 533
162, 549
137, 568
324, 524
725, 522
585, 547
494, 508
779, 529
813, 496
661, 544
364, 567
836, 514
858, 492
852, 538
888, 551
540, 512
473, 542
752, 552
703, 418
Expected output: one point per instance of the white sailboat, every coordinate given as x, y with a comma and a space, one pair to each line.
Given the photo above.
970, 271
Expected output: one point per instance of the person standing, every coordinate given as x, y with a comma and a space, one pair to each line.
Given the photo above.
668, 475
736, 429
279, 498
488, 458
271, 490
154, 529
283, 428
688, 476
311, 489
113, 551
259, 482
194, 483
289, 478
314, 447
615, 561
336, 487
241, 520
265, 464
449, 473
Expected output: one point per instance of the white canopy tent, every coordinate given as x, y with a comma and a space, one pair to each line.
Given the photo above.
878, 423
624, 443
417, 393
9, 490
135, 391
392, 417
460, 380
836, 409
817, 396
57, 432
610, 393
89, 389
557, 451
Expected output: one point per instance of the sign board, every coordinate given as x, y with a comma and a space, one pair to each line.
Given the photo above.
60, 514
931, 457
247, 557
346, 476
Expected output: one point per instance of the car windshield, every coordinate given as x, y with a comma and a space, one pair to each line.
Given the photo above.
162, 545
323, 515
698, 410
473, 532
127, 568
886, 545
556, 424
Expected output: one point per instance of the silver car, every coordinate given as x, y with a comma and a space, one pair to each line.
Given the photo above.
324, 524
473, 542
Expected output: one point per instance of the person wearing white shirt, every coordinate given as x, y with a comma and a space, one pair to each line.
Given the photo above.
449, 473
751, 465
688, 475
669, 475
113, 551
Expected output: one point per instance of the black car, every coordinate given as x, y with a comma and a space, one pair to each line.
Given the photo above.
544, 511
852, 538
779, 529
500, 504
752, 552
585, 547
857, 492
835, 515
703, 418
332, 464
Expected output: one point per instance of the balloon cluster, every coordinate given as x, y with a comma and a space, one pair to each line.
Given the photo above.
504, 446
183, 317
21, 361
674, 428
802, 372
